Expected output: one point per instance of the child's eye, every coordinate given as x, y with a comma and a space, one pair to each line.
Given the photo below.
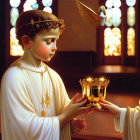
53, 39
48, 42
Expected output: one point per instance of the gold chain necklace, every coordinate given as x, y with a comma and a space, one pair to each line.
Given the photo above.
47, 99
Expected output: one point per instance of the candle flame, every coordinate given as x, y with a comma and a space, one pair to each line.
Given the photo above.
102, 79
89, 79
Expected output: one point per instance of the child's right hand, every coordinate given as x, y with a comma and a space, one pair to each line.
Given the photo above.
75, 108
111, 107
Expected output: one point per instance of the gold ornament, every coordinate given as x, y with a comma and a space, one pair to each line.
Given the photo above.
43, 113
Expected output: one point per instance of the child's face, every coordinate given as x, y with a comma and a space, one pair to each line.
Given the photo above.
43, 46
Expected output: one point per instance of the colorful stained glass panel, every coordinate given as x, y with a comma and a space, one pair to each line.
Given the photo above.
116, 12
116, 21
131, 42
15, 3
113, 13
130, 2
109, 3
112, 46
35, 6
15, 48
28, 5
131, 16
109, 15
117, 3
14, 13
47, 3
48, 9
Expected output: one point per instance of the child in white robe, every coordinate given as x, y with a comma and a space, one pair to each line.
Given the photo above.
127, 120
34, 101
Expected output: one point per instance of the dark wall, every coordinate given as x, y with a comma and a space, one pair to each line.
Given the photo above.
138, 17
2, 35
73, 66
79, 35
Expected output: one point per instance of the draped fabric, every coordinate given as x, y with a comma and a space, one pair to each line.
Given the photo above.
129, 123
22, 90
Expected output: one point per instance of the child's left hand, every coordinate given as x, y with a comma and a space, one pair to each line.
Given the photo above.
78, 125
110, 107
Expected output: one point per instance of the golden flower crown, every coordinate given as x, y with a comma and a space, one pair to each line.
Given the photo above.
36, 23
32, 22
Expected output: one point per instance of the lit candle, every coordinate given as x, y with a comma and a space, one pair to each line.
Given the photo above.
102, 79
89, 79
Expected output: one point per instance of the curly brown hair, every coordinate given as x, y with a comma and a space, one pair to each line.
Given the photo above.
33, 21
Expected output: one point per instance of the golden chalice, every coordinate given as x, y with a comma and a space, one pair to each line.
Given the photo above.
94, 89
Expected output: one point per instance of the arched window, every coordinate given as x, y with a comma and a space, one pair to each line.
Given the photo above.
112, 32
118, 42
18, 6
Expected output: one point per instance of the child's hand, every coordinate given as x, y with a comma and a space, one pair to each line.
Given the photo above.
75, 108
78, 125
111, 107
78, 100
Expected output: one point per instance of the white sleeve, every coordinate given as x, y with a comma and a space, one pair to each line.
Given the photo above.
119, 121
19, 118
122, 118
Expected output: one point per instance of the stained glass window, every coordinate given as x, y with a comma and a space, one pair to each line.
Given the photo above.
14, 13
112, 31
113, 17
35, 6
131, 32
117, 3
15, 48
112, 39
15, 3
131, 42
29, 4
112, 35
113, 13
109, 17
116, 17
131, 16
48, 9
47, 3
130, 2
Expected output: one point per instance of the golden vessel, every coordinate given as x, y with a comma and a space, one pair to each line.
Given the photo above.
94, 89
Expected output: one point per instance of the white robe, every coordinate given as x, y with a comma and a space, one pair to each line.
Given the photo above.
21, 93
129, 123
